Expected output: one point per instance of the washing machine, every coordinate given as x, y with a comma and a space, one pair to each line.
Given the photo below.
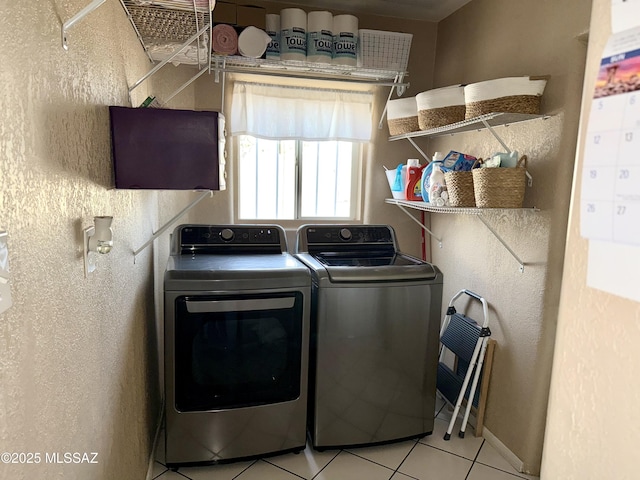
374, 336
237, 309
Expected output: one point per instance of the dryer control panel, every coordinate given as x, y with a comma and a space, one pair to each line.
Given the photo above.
212, 239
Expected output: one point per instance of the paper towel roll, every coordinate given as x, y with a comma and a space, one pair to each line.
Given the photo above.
345, 39
319, 37
272, 24
293, 34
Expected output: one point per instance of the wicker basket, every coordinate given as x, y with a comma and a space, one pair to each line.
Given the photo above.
400, 126
440, 106
514, 104
500, 187
402, 116
460, 188
439, 117
507, 95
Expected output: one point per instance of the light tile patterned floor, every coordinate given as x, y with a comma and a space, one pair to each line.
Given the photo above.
430, 458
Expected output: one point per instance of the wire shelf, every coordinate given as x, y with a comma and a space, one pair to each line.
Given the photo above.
427, 207
477, 123
238, 64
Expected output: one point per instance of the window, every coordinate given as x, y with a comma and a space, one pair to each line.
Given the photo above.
296, 179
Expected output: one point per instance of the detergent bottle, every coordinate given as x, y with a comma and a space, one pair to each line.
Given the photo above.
414, 176
438, 159
437, 187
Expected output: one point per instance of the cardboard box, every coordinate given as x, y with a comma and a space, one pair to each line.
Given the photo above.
225, 12
249, 15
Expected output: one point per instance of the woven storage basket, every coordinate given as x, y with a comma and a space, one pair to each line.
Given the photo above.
460, 188
500, 187
440, 106
506, 95
402, 116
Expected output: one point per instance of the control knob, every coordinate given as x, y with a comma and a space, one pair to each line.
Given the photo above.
345, 234
227, 234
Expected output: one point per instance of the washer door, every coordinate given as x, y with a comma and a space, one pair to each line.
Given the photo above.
236, 351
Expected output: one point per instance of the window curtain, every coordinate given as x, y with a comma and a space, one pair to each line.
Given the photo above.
280, 112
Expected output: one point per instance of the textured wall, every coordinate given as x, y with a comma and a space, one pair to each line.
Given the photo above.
592, 427
490, 39
77, 356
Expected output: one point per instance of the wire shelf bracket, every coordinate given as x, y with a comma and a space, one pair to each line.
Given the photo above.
478, 212
167, 60
76, 18
421, 225
161, 230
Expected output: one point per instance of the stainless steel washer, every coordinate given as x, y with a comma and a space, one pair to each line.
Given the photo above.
374, 341
237, 309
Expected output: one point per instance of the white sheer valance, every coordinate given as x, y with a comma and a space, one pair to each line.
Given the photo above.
283, 112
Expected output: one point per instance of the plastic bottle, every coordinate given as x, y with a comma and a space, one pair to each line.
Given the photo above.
414, 175
437, 187
426, 173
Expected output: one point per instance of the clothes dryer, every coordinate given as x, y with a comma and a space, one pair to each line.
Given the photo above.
237, 309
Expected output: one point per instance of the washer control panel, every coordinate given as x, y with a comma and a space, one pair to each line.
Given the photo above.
349, 234
315, 236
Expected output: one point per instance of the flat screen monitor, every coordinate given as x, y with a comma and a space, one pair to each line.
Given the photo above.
163, 149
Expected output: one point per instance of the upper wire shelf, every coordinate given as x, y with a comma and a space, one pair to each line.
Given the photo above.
239, 64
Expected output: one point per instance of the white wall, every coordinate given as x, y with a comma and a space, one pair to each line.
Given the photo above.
593, 425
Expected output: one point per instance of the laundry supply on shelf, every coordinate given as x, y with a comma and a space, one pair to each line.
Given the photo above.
397, 180
438, 195
426, 173
413, 189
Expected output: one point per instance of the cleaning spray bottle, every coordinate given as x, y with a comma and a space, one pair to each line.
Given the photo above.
414, 176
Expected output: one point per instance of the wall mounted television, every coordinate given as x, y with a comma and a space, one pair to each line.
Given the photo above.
164, 149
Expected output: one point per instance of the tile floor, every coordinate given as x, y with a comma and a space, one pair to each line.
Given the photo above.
430, 458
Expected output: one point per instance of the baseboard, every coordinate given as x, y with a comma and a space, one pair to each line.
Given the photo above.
152, 459
502, 449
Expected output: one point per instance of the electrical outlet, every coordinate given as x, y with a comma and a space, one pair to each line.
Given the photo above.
5, 287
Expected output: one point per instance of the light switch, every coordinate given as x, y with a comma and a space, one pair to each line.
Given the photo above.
5, 286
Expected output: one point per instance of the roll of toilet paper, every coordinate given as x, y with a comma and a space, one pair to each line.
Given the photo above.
319, 37
293, 34
345, 39
272, 24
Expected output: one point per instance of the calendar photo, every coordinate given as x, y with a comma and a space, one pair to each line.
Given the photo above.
618, 74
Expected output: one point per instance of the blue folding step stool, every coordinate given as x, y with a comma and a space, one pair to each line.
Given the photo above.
467, 340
